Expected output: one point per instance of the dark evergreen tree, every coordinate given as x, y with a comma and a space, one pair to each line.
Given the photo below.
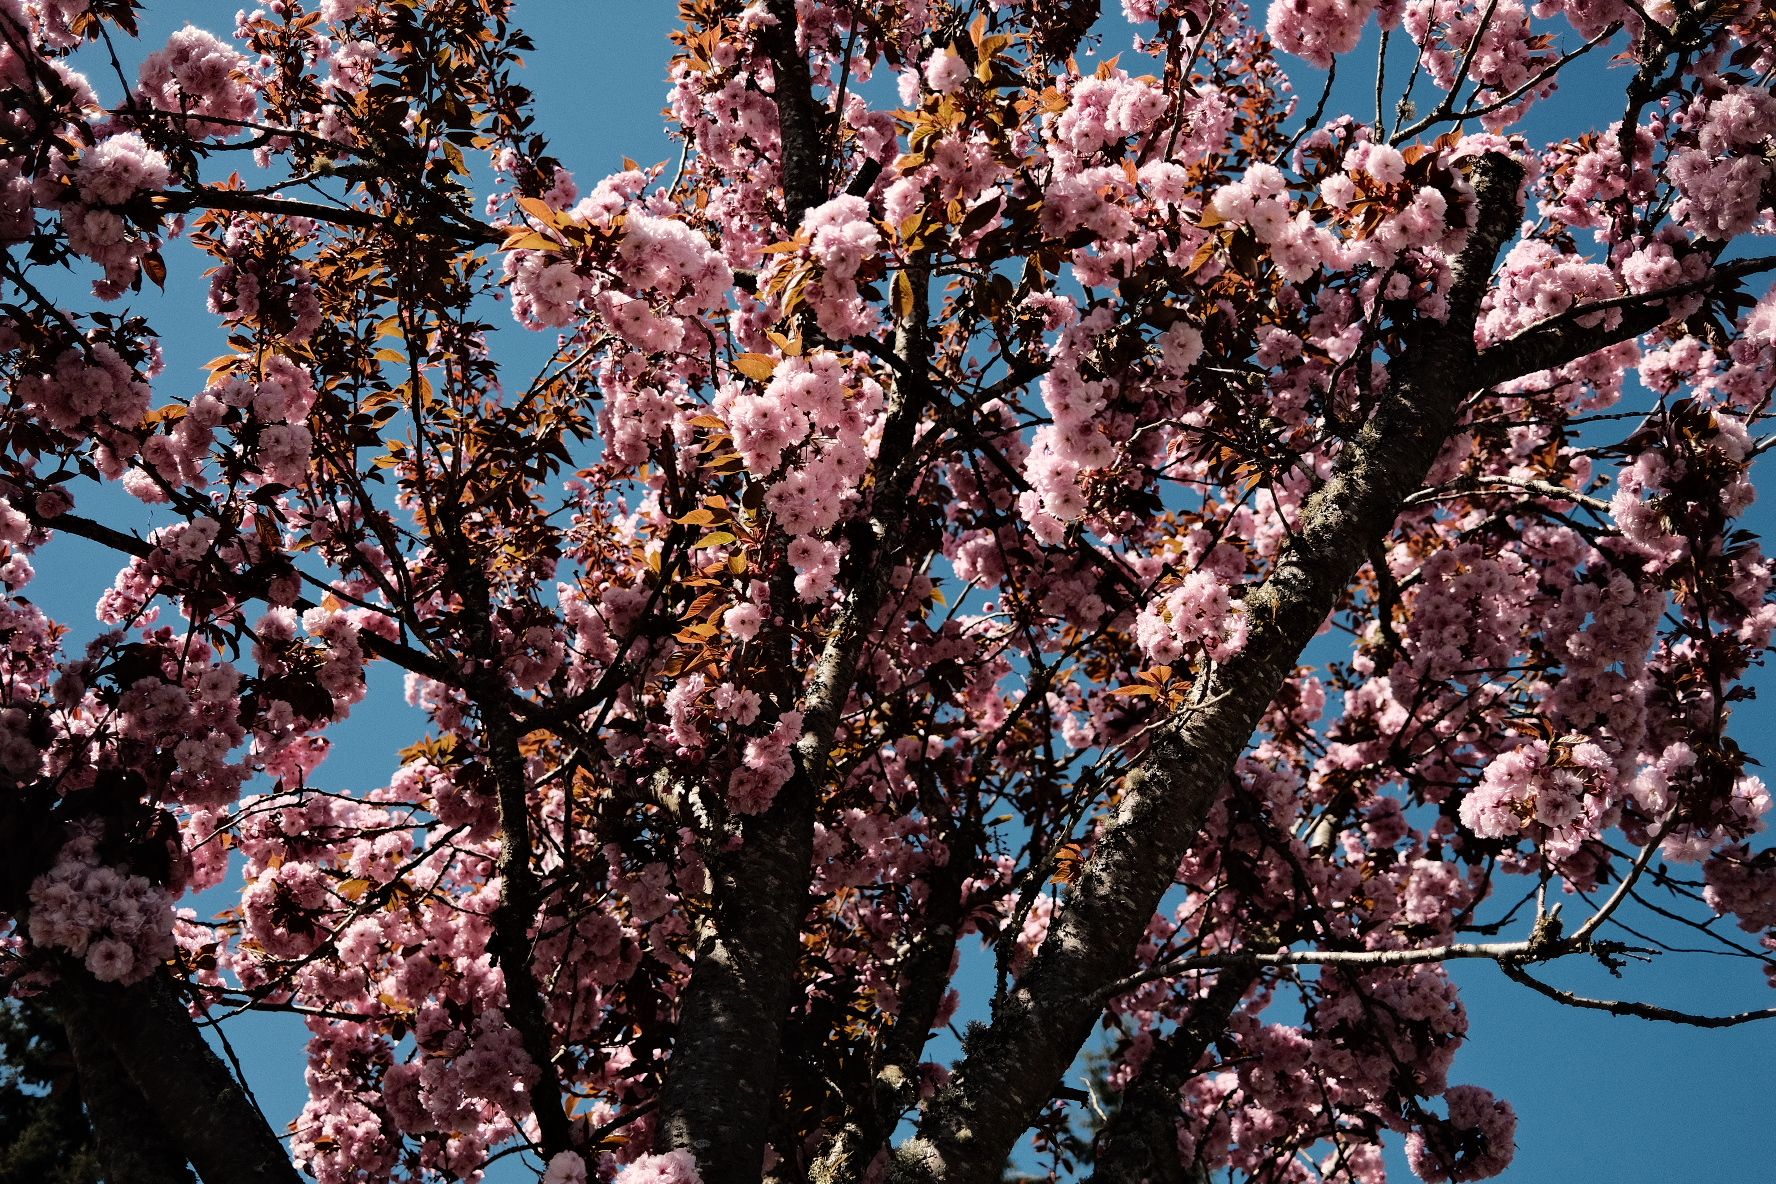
44, 1134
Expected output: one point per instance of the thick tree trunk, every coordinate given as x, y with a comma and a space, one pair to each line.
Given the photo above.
723, 1079
852, 1149
722, 1084
189, 1094
134, 1145
1010, 1067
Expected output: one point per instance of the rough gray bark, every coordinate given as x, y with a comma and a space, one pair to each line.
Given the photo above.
133, 1145
723, 1077
798, 119
512, 919
511, 943
1010, 1067
854, 1147
188, 1091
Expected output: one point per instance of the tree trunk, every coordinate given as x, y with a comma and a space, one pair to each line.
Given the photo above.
133, 1144
1011, 1066
186, 1089
1139, 1145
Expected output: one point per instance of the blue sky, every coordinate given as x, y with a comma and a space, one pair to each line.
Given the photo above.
1598, 1097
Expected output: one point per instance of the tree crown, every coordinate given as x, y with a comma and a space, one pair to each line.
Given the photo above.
1224, 556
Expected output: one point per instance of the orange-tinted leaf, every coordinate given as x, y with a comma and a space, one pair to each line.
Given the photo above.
541, 210
903, 294
529, 240
1066, 864
1201, 259
758, 367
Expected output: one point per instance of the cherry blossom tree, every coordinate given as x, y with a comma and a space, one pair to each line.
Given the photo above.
1208, 554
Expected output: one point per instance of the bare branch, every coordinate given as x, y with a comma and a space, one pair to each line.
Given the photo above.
1482, 484
1561, 339
453, 226
1628, 881
1139, 1141
1628, 1007
1504, 100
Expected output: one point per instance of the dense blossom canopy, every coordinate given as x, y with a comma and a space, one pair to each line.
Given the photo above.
1223, 553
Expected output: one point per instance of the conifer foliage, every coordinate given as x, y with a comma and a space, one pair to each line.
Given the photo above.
44, 1134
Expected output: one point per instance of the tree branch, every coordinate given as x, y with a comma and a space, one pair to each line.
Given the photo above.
454, 226
517, 903
394, 652
798, 119
519, 898
1010, 1067
721, 1086
1561, 339
1140, 1142
849, 1153
1495, 481
133, 1144
1629, 1007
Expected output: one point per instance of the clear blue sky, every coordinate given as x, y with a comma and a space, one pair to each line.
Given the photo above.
1598, 1098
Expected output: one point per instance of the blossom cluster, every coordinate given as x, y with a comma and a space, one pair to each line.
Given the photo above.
118, 924
809, 435
198, 74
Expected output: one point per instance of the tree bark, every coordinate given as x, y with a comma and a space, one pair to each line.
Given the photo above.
1010, 1067
187, 1091
798, 119
133, 1145
513, 918
722, 1083
854, 1147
